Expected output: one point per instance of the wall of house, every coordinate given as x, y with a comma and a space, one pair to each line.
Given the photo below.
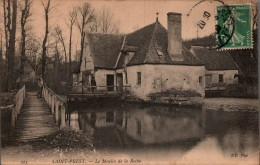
86, 61
101, 77
159, 78
228, 76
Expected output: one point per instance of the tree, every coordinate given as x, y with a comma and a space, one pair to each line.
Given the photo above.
255, 16
72, 19
59, 36
10, 15
106, 21
25, 10
7, 24
85, 17
1, 49
47, 10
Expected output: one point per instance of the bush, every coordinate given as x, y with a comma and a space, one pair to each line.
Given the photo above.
176, 92
241, 90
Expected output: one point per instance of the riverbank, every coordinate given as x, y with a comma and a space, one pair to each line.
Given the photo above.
63, 144
230, 104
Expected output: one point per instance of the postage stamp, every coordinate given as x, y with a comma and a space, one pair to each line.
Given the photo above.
234, 27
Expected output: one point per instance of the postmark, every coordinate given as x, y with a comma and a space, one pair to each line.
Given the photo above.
203, 15
231, 23
234, 27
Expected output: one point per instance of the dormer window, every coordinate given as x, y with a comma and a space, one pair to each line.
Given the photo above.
129, 56
129, 52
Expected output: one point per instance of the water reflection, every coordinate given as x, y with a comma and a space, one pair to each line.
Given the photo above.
169, 130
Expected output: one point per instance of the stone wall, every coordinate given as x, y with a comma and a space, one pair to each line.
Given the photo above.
159, 78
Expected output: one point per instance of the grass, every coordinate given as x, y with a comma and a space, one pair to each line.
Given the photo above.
6, 98
64, 144
65, 140
176, 92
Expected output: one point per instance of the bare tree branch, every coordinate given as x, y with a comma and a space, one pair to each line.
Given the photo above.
59, 36
104, 22
86, 16
72, 19
26, 13
44, 48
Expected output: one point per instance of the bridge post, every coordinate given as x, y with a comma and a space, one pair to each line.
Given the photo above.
62, 116
50, 96
52, 104
57, 104
13, 119
43, 92
124, 120
47, 96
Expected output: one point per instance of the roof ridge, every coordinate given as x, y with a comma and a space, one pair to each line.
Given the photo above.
141, 28
119, 55
151, 41
116, 34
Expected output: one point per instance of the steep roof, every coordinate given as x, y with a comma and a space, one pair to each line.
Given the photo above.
151, 40
105, 49
213, 59
148, 42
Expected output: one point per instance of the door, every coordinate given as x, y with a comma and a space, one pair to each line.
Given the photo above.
208, 80
119, 78
110, 82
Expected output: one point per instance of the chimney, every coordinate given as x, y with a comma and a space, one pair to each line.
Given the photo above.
174, 36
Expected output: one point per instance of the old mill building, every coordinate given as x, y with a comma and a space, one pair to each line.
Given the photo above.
149, 60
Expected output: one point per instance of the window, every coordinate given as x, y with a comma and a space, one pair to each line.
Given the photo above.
126, 80
220, 78
138, 78
139, 127
200, 79
85, 62
110, 116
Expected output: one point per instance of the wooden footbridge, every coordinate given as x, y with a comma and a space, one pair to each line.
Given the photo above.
34, 117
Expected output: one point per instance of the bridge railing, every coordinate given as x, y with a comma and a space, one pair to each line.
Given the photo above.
56, 104
79, 89
16, 107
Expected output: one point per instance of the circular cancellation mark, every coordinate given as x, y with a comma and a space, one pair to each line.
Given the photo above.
225, 23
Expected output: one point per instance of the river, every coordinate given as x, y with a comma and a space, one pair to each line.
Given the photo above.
168, 134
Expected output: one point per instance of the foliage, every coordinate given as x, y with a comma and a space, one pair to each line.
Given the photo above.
6, 98
176, 92
3, 75
241, 91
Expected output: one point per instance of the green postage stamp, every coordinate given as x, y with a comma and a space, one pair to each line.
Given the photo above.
234, 27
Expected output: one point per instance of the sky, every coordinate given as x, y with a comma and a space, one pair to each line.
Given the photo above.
132, 14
